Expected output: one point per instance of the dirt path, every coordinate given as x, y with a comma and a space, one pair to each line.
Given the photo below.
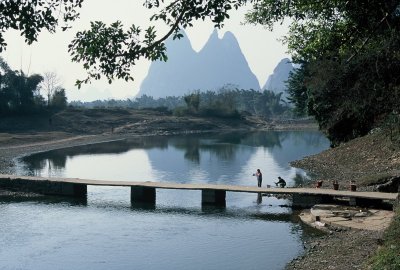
9, 154
47, 142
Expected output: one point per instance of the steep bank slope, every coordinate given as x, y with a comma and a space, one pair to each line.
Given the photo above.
368, 161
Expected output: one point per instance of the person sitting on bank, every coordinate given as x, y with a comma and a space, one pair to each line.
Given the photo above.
281, 182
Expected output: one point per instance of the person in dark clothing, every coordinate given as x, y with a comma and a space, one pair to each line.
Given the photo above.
281, 182
259, 177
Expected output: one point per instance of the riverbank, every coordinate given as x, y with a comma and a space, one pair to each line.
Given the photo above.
372, 163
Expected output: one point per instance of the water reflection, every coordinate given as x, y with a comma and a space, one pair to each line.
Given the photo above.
259, 198
212, 158
140, 206
211, 211
224, 146
11, 197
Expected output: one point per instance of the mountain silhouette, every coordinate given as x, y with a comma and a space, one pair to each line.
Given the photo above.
277, 80
220, 62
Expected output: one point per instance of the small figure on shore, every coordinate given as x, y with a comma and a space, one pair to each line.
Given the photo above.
259, 177
281, 182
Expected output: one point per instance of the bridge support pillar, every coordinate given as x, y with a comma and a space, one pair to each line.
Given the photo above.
213, 197
71, 189
307, 201
143, 195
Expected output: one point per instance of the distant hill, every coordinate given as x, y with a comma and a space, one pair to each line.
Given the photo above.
277, 80
220, 62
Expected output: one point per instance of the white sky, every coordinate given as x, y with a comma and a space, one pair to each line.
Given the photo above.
261, 48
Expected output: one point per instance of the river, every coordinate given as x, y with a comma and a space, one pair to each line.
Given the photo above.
106, 231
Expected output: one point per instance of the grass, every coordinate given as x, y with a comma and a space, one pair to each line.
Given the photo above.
388, 256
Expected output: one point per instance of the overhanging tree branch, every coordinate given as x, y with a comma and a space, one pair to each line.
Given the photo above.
30, 17
165, 37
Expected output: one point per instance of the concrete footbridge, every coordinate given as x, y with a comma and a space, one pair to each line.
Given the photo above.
145, 192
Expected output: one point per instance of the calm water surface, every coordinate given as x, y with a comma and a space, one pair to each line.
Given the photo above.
107, 232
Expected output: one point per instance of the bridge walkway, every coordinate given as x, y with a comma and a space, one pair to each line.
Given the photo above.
211, 193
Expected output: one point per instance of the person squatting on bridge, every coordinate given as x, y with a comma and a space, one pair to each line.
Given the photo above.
259, 177
281, 182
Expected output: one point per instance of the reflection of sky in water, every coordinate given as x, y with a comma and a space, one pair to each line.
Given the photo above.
190, 159
129, 166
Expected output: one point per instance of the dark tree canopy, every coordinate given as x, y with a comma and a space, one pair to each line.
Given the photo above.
17, 91
20, 93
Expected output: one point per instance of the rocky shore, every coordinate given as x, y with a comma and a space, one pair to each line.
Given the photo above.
339, 249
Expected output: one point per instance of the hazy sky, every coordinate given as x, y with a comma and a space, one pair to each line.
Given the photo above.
261, 48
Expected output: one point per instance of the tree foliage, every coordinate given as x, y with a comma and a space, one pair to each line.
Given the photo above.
30, 17
349, 55
226, 102
192, 101
17, 91
50, 84
297, 90
20, 93
59, 99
